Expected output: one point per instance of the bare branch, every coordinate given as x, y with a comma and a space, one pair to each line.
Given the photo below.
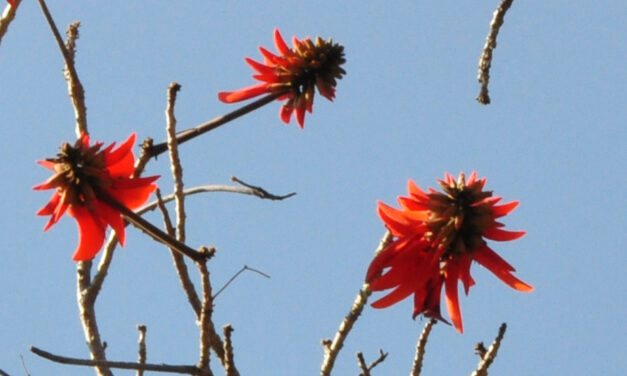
260, 192
191, 370
205, 321
243, 269
332, 348
141, 358
366, 369
87, 315
229, 363
2, 373
210, 189
485, 61
420, 348
362, 365
175, 162
179, 262
488, 357
77, 94
8, 15
190, 133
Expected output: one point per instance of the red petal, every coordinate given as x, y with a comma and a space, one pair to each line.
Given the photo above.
132, 197
285, 113
261, 68
120, 162
243, 94
91, 234
112, 218
471, 178
495, 233
300, 116
395, 296
280, 43
415, 191
500, 268
46, 164
452, 299
501, 210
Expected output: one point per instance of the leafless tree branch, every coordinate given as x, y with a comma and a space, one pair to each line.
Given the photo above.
190, 133
420, 347
243, 269
487, 357
8, 15
141, 358
191, 370
229, 361
485, 61
332, 348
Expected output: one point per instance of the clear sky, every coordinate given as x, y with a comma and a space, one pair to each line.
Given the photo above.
553, 138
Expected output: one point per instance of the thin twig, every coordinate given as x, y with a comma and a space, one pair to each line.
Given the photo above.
24, 365
175, 162
2, 373
191, 370
420, 347
485, 60
243, 269
488, 357
77, 94
190, 133
87, 315
332, 348
362, 365
151, 230
229, 363
141, 358
179, 262
379, 360
205, 322
260, 192
210, 189
8, 15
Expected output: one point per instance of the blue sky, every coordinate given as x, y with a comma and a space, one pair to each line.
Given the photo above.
554, 138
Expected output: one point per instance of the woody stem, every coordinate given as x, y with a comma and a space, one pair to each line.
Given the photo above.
190, 133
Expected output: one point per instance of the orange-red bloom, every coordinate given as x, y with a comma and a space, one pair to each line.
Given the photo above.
295, 73
437, 236
83, 174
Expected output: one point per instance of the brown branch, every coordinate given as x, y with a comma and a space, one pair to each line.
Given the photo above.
243, 269
260, 192
332, 348
210, 189
191, 370
175, 162
179, 262
485, 60
8, 15
420, 348
488, 356
190, 133
87, 315
141, 358
229, 363
24, 365
205, 321
77, 94
362, 365
366, 369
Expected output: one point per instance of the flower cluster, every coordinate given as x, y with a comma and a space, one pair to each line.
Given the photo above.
437, 236
84, 175
294, 74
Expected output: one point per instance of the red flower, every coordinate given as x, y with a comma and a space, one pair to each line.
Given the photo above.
294, 73
84, 173
437, 236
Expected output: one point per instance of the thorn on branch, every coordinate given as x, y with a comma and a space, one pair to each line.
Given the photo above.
260, 192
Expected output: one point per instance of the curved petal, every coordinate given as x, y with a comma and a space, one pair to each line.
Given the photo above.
280, 44
452, 299
495, 233
285, 113
132, 197
400, 293
500, 268
259, 67
243, 94
91, 234
501, 210
113, 218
